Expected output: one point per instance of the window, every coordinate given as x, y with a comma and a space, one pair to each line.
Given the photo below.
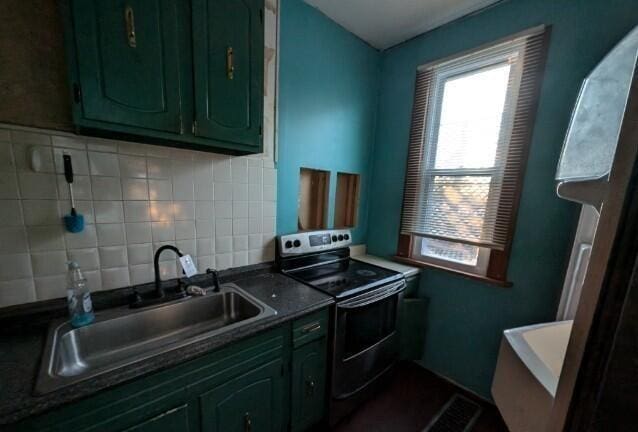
471, 124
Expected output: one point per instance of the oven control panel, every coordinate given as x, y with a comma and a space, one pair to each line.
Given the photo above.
313, 241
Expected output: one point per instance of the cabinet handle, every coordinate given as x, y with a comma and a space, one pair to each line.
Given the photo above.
310, 387
129, 18
311, 328
248, 423
230, 64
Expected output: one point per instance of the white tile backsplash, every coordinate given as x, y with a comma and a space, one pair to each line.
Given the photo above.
87, 259
105, 188
135, 189
104, 164
43, 238
163, 231
134, 198
37, 186
40, 212
49, 263
138, 232
133, 166
110, 234
160, 189
108, 211
50, 287
113, 256
81, 187
137, 211
15, 266
158, 168
140, 254
8, 185
85, 239
17, 291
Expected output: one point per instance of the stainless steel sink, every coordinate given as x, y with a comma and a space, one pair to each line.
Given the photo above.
123, 336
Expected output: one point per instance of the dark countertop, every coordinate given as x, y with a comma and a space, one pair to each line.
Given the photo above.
21, 346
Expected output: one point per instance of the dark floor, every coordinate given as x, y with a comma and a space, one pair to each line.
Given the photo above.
408, 404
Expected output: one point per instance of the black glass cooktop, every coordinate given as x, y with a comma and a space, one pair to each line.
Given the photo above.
345, 277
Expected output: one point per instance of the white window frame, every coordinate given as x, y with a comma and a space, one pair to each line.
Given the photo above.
433, 117
480, 268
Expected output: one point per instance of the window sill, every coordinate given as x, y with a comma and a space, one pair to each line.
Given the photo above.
417, 263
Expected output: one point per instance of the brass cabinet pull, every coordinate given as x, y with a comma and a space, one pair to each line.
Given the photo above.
311, 327
230, 65
248, 423
129, 18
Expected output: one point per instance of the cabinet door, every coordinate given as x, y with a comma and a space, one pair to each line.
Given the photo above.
173, 420
308, 384
128, 62
252, 402
228, 55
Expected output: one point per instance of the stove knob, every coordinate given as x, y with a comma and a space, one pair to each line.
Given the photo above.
334, 238
346, 237
297, 243
288, 244
340, 237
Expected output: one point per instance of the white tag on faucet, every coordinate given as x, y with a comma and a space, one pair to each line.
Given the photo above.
188, 265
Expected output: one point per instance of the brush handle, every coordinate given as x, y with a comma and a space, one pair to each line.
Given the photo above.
68, 168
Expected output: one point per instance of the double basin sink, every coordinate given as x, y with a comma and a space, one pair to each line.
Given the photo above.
124, 336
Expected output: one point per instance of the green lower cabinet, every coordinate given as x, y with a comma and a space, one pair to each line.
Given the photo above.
175, 419
258, 384
308, 385
252, 402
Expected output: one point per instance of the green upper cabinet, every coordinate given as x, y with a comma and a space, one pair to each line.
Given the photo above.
128, 62
180, 73
228, 69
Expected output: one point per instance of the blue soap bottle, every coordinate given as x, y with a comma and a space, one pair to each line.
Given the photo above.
78, 297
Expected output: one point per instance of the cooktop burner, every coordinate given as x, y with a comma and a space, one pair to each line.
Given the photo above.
345, 277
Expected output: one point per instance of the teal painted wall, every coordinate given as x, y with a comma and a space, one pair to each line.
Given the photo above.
328, 93
466, 318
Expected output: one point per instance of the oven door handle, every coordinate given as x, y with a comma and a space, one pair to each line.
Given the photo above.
373, 297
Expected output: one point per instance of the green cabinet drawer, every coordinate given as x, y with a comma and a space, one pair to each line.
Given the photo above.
309, 328
308, 385
253, 402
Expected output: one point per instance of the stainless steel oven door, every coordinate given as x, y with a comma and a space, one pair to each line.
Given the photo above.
366, 338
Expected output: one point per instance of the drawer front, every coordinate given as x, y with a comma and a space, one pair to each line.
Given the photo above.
310, 327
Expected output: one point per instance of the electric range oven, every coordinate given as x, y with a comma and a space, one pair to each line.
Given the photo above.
364, 334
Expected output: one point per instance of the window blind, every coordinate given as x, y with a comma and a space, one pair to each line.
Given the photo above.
471, 123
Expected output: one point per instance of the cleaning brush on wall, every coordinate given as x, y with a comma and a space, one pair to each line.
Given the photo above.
73, 222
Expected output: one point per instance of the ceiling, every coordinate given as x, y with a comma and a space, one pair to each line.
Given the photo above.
384, 23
